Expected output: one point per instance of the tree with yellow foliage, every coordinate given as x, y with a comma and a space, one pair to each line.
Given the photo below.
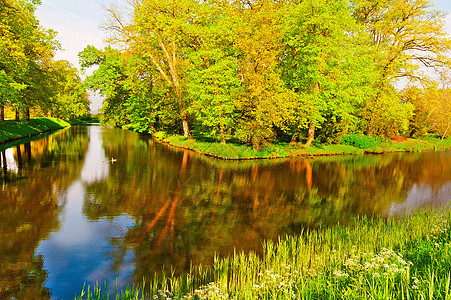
406, 35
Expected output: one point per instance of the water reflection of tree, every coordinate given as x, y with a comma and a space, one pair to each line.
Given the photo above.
188, 207
29, 208
372, 183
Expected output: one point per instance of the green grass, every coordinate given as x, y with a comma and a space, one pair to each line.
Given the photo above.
11, 130
404, 258
83, 120
280, 150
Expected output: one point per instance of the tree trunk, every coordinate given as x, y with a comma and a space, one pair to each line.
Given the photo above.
221, 133
256, 143
28, 113
311, 134
2, 113
17, 115
446, 131
186, 132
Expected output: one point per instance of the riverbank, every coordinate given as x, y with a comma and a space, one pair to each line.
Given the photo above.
355, 144
11, 130
404, 258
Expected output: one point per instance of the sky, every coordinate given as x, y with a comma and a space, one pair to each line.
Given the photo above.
78, 24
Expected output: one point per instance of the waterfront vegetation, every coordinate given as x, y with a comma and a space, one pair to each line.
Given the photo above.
261, 79
12, 130
205, 69
396, 258
350, 144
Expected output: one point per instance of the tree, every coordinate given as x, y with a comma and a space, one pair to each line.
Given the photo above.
441, 117
406, 35
265, 102
38, 77
16, 20
157, 35
25, 52
108, 80
432, 110
71, 99
327, 62
132, 93
212, 75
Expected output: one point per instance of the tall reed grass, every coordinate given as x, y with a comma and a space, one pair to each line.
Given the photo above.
403, 258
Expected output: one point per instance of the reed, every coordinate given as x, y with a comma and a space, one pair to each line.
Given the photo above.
404, 258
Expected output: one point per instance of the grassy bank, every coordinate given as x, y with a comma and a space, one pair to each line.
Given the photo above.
405, 258
354, 144
83, 120
12, 130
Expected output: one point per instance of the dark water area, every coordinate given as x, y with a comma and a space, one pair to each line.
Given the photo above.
89, 204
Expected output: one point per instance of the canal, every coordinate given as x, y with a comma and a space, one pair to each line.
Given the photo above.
89, 204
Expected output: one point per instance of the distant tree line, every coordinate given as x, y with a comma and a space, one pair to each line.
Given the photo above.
30, 78
256, 71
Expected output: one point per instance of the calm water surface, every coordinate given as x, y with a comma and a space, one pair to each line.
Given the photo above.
70, 214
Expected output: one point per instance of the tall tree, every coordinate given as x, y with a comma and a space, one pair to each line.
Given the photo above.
25, 52
16, 26
406, 34
327, 62
265, 102
131, 91
71, 98
432, 110
212, 76
157, 35
108, 80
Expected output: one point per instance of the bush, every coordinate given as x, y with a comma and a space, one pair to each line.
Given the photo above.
360, 141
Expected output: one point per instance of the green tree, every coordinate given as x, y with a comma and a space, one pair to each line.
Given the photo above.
328, 63
108, 80
265, 103
132, 93
158, 35
406, 35
25, 52
38, 78
71, 99
16, 25
432, 110
212, 77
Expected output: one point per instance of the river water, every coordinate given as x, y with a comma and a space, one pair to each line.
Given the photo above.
89, 204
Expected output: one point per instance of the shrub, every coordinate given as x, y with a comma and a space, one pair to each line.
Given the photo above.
360, 140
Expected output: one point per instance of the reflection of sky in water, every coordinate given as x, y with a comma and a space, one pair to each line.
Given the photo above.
96, 164
241, 215
10, 161
421, 195
80, 251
